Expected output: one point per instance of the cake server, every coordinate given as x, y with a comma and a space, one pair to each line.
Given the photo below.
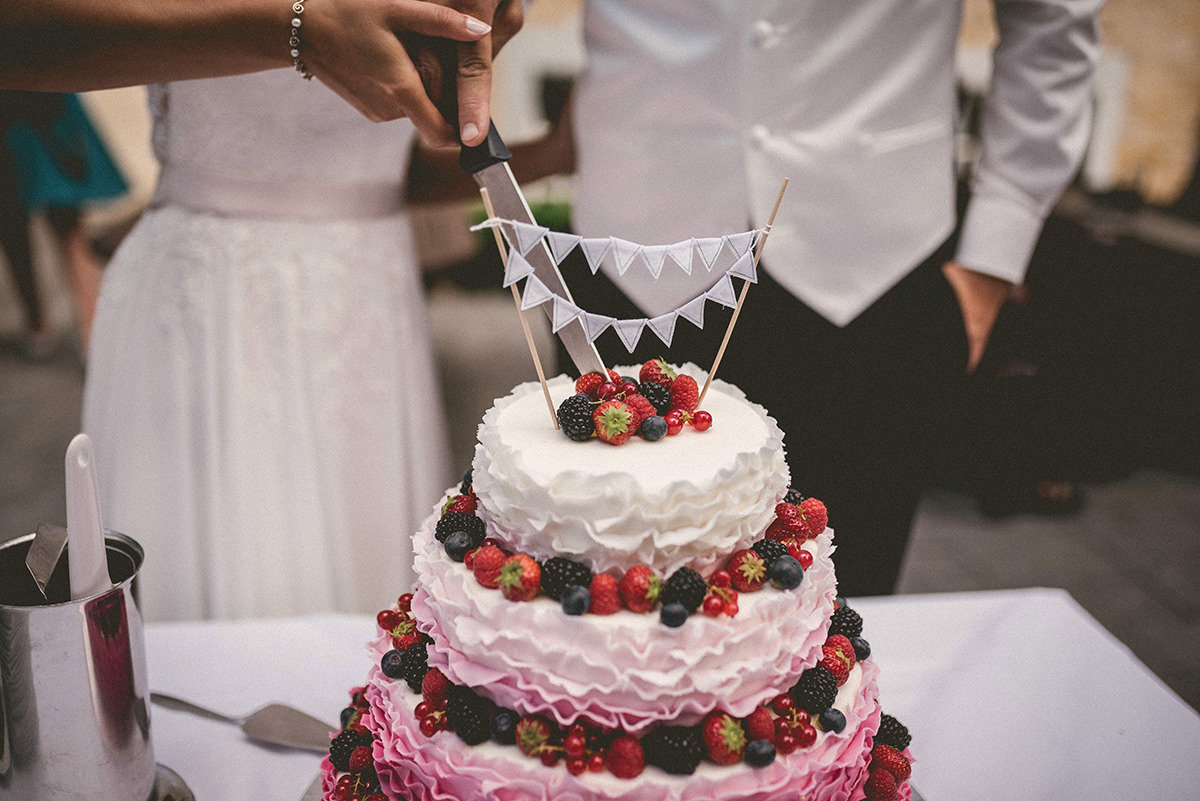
44, 553
274, 724
85, 532
487, 163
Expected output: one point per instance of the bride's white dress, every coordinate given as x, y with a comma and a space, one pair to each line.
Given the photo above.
260, 388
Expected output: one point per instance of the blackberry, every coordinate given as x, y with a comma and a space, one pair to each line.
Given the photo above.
416, 665
341, 746
450, 522
793, 497
815, 691
846, 621
675, 749
769, 550
685, 586
575, 417
892, 732
467, 714
558, 573
658, 395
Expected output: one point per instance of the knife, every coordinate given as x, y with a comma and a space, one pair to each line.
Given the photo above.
487, 163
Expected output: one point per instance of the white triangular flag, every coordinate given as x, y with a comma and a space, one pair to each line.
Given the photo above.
594, 251
681, 254
536, 293
708, 249
528, 235
630, 331
624, 252
722, 292
564, 312
740, 243
561, 244
744, 268
664, 326
516, 269
693, 311
596, 324
654, 255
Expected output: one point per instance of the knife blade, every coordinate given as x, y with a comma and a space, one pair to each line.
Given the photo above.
487, 163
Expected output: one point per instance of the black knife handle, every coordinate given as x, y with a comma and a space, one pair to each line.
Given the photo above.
491, 150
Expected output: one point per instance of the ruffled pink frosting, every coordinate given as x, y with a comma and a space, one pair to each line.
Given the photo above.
443, 767
684, 500
625, 670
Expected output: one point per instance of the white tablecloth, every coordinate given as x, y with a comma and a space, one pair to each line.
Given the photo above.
1013, 694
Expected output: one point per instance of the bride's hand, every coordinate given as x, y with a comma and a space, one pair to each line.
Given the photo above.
354, 47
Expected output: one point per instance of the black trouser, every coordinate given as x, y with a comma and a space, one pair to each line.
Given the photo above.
861, 406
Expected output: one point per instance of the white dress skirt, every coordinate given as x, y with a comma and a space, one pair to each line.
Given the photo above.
260, 391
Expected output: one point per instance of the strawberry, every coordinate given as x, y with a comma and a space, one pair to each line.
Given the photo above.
760, 725
533, 735
814, 515
888, 758
625, 757
639, 588
842, 643
606, 597
520, 577
435, 687
615, 423
460, 503
748, 570
657, 371
833, 660
685, 394
588, 384
724, 738
486, 565
641, 408
880, 786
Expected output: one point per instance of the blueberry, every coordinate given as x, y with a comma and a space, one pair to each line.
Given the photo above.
653, 428
832, 720
576, 600
457, 544
674, 614
862, 648
392, 664
840, 601
759, 753
468, 476
504, 727
347, 713
785, 572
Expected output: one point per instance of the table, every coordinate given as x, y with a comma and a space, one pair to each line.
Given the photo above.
1010, 694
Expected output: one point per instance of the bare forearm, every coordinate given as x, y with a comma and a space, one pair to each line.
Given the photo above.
76, 45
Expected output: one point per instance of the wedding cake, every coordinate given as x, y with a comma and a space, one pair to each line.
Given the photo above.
624, 600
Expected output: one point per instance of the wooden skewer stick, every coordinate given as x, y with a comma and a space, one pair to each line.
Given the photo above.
742, 295
537, 362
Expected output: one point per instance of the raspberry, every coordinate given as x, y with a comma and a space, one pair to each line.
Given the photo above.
360, 758
685, 393
486, 566
641, 408
890, 759
880, 786
435, 687
625, 757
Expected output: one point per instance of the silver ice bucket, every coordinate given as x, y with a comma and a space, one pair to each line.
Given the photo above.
74, 697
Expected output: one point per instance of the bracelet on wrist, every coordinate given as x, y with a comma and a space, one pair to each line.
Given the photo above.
294, 40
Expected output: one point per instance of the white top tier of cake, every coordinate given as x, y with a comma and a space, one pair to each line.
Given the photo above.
685, 500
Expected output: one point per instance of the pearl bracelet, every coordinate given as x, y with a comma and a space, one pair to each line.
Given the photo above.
294, 41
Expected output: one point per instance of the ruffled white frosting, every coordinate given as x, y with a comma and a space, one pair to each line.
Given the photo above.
443, 767
625, 670
684, 500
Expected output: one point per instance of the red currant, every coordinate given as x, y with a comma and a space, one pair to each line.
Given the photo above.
701, 420
577, 765
608, 389
782, 726
782, 704
574, 745
731, 608
674, 423
430, 725
629, 388
787, 742
807, 736
596, 763
713, 605
405, 602
344, 789
550, 757
805, 558
722, 578
388, 619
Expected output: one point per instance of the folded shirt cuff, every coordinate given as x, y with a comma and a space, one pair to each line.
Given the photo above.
998, 237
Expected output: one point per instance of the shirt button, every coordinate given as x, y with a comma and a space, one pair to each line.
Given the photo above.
763, 34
